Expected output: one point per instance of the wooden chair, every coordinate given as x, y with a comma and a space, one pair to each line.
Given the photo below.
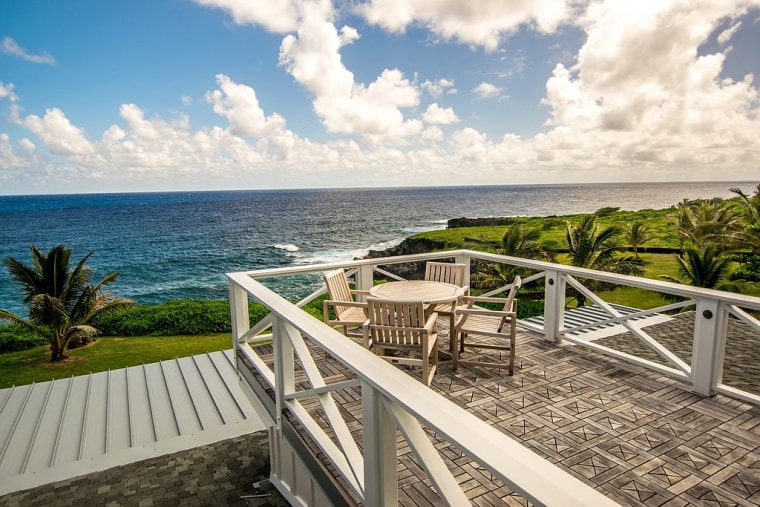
488, 329
447, 272
349, 313
401, 326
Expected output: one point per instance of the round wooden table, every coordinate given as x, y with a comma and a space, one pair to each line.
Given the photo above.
417, 290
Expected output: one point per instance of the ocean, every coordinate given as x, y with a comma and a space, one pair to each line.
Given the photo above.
179, 245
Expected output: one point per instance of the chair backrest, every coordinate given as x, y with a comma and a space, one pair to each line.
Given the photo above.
510, 303
396, 322
509, 306
446, 272
338, 289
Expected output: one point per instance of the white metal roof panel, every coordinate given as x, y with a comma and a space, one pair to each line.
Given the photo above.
65, 428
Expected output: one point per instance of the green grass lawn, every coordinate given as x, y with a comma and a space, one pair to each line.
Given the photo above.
108, 353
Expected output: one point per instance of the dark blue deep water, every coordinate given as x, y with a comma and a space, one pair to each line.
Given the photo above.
179, 245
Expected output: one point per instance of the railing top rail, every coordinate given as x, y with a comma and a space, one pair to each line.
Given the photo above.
631, 281
488, 444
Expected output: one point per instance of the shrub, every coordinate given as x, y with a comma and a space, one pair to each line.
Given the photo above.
749, 270
177, 317
15, 338
606, 211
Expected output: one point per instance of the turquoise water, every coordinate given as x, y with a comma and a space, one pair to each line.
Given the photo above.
179, 245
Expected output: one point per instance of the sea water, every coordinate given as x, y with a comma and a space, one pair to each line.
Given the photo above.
179, 245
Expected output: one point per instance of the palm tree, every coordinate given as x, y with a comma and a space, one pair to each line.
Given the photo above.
636, 235
750, 212
708, 221
516, 242
593, 249
704, 267
62, 301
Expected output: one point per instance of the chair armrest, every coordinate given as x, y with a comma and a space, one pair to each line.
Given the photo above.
357, 304
366, 335
431, 322
483, 299
360, 292
484, 311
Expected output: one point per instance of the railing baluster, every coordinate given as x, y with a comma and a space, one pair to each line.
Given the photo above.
284, 366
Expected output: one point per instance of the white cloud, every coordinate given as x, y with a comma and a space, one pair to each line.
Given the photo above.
482, 23
439, 87
11, 47
186, 100
10, 158
6, 92
486, 90
348, 35
640, 94
27, 145
726, 35
436, 114
57, 133
238, 103
276, 16
433, 133
313, 58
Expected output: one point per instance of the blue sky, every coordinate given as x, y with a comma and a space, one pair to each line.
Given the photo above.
238, 94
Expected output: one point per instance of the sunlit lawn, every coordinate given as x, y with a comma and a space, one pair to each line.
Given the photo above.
108, 353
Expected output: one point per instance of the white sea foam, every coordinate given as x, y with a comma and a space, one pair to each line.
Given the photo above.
337, 255
287, 247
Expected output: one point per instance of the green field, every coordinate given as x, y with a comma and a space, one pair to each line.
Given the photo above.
108, 353
659, 223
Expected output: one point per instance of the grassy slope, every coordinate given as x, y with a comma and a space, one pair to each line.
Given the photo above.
659, 222
108, 353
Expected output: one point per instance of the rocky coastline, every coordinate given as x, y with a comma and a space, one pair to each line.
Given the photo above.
410, 246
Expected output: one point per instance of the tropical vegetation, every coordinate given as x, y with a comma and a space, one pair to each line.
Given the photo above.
590, 247
62, 301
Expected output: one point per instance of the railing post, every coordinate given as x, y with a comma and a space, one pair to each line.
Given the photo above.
284, 369
464, 259
241, 321
365, 277
554, 305
379, 434
709, 345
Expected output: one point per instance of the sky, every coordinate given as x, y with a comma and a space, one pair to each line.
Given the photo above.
178, 95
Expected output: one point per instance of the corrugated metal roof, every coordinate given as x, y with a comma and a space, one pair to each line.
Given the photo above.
65, 428
592, 314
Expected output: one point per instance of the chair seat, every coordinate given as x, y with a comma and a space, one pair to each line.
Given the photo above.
354, 316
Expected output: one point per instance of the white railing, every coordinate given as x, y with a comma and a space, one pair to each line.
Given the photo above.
392, 399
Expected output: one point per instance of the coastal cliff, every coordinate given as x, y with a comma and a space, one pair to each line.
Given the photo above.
408, 270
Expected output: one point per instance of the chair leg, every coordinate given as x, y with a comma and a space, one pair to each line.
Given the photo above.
455, 352
512, 358
425, 368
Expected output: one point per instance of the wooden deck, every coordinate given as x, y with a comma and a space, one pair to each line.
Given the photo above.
637, 436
